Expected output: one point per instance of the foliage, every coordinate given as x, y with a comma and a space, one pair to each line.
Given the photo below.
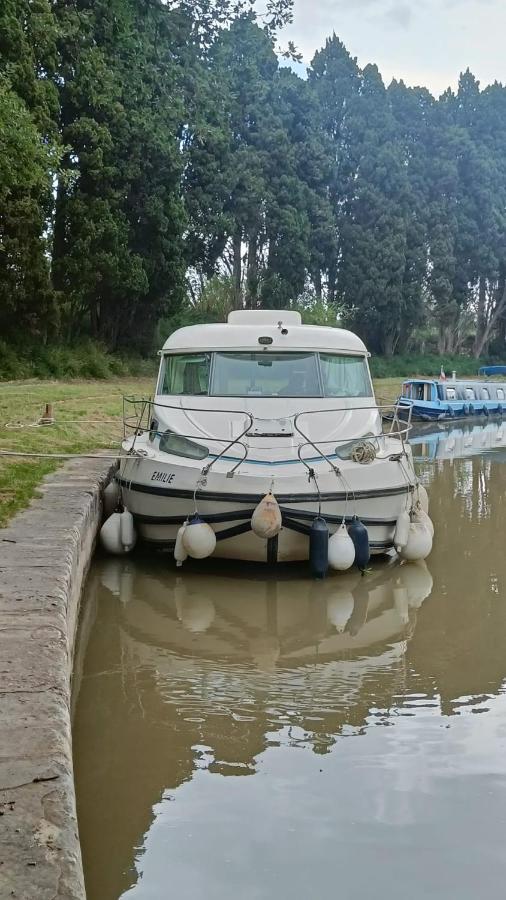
159, 167
87, 360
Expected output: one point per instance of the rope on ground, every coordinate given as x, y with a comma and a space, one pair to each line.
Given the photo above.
63, 455
16, 426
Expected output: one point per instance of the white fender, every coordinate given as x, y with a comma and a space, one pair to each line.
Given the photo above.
110, 535
111, 498
180, 553
127, 530
401, 531
199, 539
421, 518
341, 550
422, 497
419, 543
266, 520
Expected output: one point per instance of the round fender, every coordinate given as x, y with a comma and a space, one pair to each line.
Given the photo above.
451, 411
486, 411
466, 409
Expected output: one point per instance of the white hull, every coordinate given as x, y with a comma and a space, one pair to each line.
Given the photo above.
159, 492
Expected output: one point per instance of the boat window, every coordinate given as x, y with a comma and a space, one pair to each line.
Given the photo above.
186, 373
469, 394
500, 394
345, 376
451, 393
265, 375
486, 394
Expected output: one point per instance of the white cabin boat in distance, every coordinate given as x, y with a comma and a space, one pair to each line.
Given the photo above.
264, 404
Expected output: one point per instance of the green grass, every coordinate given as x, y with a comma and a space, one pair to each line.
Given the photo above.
88, 417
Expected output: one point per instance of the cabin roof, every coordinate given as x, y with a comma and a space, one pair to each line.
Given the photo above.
449, 382
245, 327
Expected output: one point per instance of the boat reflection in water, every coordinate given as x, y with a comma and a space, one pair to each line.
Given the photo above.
210, 672
446, 441
268, 621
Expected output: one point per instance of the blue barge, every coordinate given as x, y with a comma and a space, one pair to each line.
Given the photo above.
439, 399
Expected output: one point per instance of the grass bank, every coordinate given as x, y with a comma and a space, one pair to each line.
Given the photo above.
88, 416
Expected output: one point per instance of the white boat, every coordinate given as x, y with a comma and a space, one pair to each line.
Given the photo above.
263, 404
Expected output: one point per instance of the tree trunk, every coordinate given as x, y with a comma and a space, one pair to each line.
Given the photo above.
500, 308
237, 268
317, 279
58, 248
481, 319
252, 273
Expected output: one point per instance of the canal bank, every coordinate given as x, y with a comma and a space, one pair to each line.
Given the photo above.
44, 557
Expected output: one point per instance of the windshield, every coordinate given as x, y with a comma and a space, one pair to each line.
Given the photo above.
261, 374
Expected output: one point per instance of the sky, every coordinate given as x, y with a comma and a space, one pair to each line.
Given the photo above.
424, 42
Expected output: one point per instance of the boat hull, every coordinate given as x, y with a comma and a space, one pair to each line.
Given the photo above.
433, 412
161, 496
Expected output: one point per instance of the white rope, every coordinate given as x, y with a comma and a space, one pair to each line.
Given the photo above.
61, 455
14, 426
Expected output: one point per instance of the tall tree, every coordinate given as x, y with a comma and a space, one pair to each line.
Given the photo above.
119, 217
373, 242
28, 162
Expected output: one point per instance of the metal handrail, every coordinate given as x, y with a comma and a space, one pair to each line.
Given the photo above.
135, 423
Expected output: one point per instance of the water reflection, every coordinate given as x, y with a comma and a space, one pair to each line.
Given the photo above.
447, 441
188, 679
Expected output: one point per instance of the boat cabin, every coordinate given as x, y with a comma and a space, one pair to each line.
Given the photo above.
463, 391
264, 354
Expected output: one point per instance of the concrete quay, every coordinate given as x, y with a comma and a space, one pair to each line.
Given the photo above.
44, 557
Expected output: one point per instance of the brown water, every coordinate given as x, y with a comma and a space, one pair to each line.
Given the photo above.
240, 734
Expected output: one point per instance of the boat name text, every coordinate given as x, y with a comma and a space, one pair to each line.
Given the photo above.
165, 477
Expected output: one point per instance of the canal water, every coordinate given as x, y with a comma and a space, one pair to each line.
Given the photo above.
255, 735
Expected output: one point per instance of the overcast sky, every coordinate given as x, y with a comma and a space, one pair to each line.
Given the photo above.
425, 42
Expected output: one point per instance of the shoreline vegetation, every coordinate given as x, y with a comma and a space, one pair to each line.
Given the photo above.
92, 361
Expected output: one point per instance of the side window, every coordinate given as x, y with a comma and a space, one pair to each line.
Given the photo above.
450, 393
186, 374
500, 394
486, 394
469, 394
